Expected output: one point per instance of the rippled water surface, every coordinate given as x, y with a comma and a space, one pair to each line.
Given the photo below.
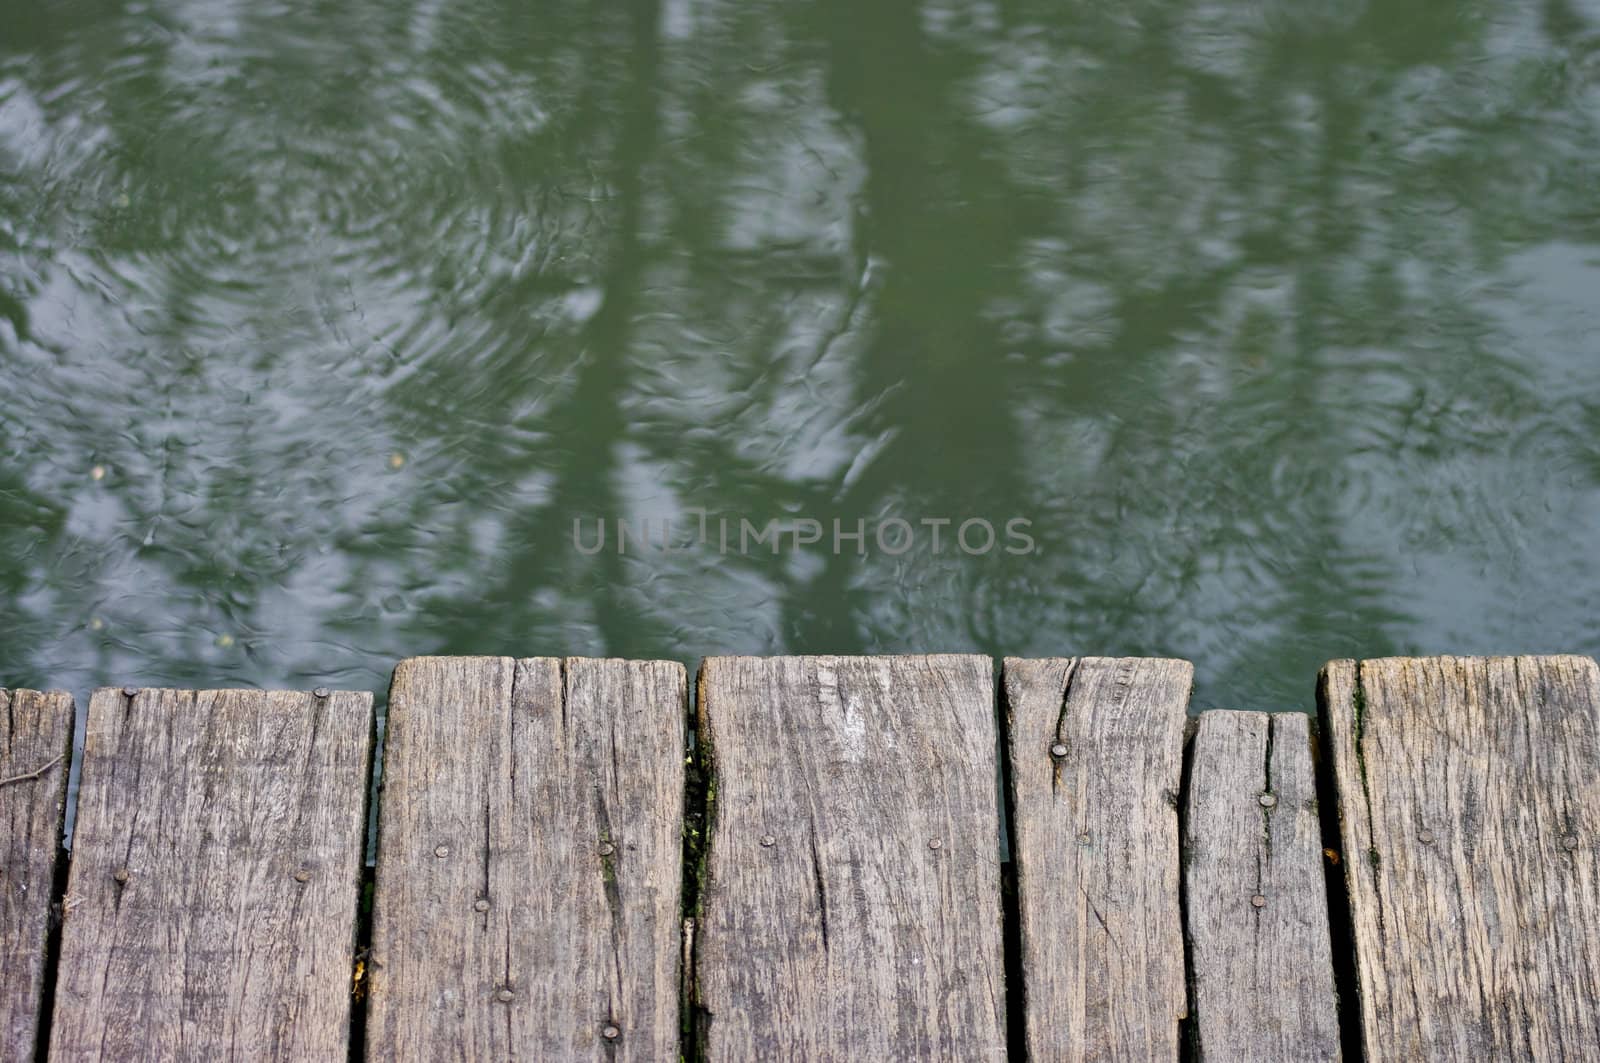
321, 324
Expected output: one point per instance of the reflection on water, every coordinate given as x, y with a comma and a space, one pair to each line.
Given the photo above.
321, 323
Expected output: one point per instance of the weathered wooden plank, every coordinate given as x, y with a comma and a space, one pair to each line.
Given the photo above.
852, 907
1096, 747
1254, 892
1469, 807
529, 865
35, 744
215, 876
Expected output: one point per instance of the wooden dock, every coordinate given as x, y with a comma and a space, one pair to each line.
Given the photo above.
811, 858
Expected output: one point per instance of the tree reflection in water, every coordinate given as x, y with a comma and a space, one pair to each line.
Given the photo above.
1277, 322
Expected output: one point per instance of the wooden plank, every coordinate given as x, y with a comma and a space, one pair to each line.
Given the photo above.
1469, 808
529, 864
1254, 892
35, 746
215, 876
852, 907
1096, 747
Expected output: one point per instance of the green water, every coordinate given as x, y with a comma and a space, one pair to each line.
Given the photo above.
321, 324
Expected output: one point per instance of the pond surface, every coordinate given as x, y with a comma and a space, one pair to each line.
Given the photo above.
321, 324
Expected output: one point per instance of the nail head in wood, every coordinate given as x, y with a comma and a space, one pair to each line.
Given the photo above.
480, 905
935, 843
505, 996
1425, 837
1259, 901
320, 692
121, 874
1268, 800
1570, 842
1058, 750
610, 1032
606, 849
768, 841
129, 692
441, 851
302, 875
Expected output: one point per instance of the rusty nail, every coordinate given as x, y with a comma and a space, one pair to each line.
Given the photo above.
1570, 842
480, 905
1058, 750
1268, 800
505, 996
935, 843
768, 841
441, 851
121, 874
610, 1032
320, 692
1259, 901
302, 875
129, 692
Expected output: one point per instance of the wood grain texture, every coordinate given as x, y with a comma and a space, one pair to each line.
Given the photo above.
35, 746
852, 902
1096, 747
529, 863
1255, 895
215, 877
1469, 807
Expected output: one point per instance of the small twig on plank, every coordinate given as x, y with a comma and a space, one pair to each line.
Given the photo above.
34, 774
